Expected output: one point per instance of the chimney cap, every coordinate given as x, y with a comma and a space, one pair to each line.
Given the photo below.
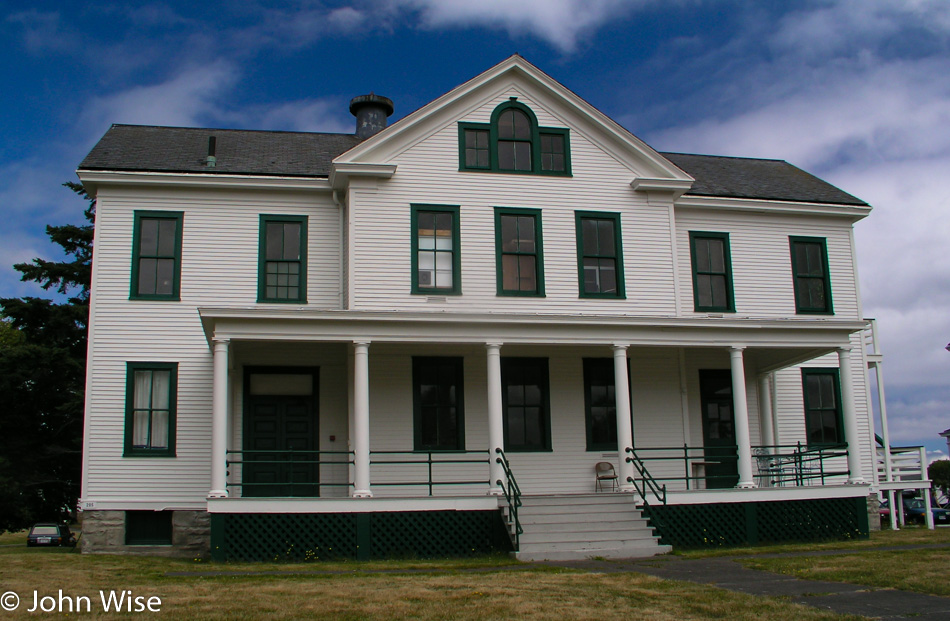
371, 100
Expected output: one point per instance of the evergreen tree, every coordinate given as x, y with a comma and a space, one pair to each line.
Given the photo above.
42, 380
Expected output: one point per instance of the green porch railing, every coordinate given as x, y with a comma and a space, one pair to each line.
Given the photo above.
291, 466
512, 496
647, 482
429, 459
778, 465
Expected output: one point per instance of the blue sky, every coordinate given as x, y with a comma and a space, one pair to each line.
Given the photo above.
855, 91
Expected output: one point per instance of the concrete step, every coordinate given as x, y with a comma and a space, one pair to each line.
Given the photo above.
588, 527
638, 551
580, 499
585, 539
578, 514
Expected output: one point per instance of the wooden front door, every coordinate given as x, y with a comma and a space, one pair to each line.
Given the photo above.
281, 435
719, 429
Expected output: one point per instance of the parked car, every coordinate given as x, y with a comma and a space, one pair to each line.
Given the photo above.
914, 509
50, 534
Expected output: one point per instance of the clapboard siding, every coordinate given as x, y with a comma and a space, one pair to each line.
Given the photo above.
761, 260
219, 268
427, 173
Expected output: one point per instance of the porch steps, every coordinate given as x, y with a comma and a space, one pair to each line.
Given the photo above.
580, 526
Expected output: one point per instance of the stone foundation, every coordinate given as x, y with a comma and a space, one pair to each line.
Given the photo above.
103, 532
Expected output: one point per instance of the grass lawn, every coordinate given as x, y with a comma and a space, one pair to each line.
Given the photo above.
409, 589
922, 570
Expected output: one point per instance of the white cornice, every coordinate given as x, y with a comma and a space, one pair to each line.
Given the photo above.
93, 179
341, 173
676, 187
706, 203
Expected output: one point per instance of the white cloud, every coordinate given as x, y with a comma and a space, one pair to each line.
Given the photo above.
561, 23
192, 97
309, 115
43, 31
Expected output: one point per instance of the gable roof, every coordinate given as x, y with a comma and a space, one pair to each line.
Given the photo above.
740, 177
245, 152
144, 148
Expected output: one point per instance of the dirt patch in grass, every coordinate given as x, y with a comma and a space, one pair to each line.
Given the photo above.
447, 590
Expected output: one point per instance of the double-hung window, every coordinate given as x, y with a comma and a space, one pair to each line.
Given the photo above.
712, 272
438, 403
810, 273
518, 249
525, 404
599, 255
513, 142
282, 262
822, 394
436, 262
151, 395
156, 255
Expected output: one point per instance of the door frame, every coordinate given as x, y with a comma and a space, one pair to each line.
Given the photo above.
247, 399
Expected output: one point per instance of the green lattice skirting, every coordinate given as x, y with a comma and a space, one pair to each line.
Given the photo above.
751, 523
324, 536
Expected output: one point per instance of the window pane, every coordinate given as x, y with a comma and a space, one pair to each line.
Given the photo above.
522, 125
147, 276
605, 235
509, 272
704, 289
165, 275
443, 279
166, 238
527, 273
148, 237
506, 155
526, 233
813, 258
702, 255
509, 233
522, 156
161, 387
718, 291
591, 276
589, 237
608, 276
140, 428
506, 124
291, 241
443, 225
159, 429
274, 241
142, 390
425, 221
717, 261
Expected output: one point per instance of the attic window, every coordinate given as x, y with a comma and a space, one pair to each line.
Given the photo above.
514, 143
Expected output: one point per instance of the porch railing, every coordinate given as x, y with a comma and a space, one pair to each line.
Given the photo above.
781, 465
512, 496
405, 462
908, 463
295, 472
647, 482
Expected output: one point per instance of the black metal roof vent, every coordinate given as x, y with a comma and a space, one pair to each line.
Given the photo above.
371, 112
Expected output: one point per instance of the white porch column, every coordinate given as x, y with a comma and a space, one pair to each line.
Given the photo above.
624, 426
765, 409
219, 419
741, 415
850, 418
496, 432
361, 420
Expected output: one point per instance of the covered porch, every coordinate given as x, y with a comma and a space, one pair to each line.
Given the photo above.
689, 407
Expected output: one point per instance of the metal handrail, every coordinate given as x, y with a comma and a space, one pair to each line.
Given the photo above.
649, 482
512, 496
297, 457
429, 462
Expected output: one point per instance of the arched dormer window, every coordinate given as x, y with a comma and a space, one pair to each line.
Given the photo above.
514, 143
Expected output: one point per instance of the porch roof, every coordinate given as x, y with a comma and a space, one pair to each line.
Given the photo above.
776, 342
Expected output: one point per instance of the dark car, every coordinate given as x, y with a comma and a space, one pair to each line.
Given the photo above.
914, 512
50, 534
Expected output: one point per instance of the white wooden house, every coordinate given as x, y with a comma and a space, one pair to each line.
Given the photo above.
421, 338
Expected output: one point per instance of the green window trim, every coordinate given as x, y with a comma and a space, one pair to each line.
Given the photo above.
600, 372
710, 271
533, 399
154, 258
822, 419
502, 214
276, 274
598, 255
149, 376
418, 213
811, 275
447, 404
550, 147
